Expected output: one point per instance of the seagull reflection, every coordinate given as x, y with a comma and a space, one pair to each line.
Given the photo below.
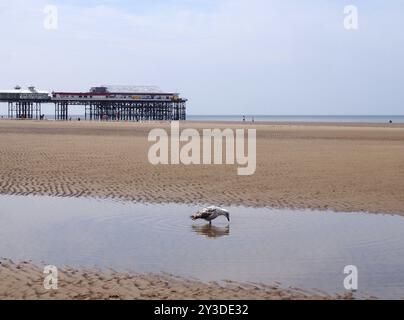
211, 231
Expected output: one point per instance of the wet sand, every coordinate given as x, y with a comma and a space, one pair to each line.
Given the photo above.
341, 167
320, 166
25, 281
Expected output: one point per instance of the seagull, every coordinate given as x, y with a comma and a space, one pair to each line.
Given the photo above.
211, 213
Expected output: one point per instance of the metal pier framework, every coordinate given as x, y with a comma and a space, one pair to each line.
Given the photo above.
132, 111
24, 110
125, 111
101, 103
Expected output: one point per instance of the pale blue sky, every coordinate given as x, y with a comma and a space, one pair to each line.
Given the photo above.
226, 56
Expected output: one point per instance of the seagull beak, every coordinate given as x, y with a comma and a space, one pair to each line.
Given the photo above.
195, 215
228, 218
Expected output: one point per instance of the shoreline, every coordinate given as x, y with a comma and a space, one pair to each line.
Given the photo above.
230, 122
201, 204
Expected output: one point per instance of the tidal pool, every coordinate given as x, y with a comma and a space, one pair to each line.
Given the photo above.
304, 249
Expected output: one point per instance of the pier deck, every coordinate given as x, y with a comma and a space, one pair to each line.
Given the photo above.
99, 104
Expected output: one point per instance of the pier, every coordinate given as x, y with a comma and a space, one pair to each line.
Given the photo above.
105, 103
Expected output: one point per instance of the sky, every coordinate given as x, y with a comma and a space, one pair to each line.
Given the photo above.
278, 57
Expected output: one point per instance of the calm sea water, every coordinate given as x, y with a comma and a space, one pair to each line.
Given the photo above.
314, 118
304, 249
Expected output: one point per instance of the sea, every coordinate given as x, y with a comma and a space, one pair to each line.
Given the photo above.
300, 118
377, 119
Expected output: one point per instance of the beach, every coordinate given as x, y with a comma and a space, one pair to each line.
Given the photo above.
347, 168
336, 167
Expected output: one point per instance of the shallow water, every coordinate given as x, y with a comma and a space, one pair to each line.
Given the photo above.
305, 249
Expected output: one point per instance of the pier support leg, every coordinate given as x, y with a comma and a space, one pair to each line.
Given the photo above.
61, 111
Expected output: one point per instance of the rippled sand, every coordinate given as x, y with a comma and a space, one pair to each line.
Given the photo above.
339, 167
25, 281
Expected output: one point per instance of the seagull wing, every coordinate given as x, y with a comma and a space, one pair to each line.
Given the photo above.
204, 214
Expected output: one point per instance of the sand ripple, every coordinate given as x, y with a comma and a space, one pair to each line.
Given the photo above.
342, 168
25, 281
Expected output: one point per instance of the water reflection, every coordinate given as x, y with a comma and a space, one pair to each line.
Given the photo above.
211, 231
